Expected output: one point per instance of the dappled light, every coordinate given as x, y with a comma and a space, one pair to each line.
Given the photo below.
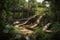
29, 19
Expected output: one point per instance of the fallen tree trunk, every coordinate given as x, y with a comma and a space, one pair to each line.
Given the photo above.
46, 27
37, 22
18, 22
28, 20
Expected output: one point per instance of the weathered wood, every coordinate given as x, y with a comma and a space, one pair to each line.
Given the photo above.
28, 20
17, 22
37, 22
29, 28
46, 27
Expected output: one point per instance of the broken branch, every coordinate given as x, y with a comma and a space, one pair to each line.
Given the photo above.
37, 21
27, 20
46, 27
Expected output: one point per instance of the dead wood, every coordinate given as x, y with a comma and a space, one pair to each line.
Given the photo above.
46, 27
37, 22
27, 20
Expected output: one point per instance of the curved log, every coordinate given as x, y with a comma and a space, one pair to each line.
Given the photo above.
46, 27
28, 20
37, 22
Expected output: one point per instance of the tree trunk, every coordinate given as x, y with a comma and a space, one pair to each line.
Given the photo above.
37, 22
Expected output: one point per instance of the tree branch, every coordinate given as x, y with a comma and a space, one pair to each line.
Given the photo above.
46, 27
17, 22
37, 21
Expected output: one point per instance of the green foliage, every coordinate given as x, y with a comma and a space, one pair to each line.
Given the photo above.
56, 31
9, 4
8, 29
55, 9
42, 35
12, 31
56, 27
53, 15
40, 11
32, 4
21, 3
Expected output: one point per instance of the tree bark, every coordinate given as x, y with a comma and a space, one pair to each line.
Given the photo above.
37, 22
25, 21
46, 27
